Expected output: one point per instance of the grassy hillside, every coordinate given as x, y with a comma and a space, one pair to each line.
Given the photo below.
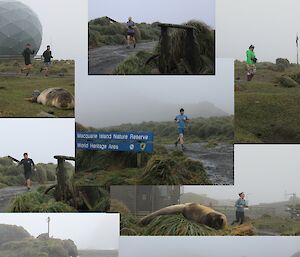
177, 63
103, 32
12, 175
20, 245
14, 87
267, 108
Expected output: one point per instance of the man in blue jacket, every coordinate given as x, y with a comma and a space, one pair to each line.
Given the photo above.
181, 120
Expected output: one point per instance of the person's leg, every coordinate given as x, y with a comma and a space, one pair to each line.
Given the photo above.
46, 70
248, 72
134, 41
236, 218
242, 216
128, 41
28, 69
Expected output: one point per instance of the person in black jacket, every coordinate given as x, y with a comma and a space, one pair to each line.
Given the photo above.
27, 164
27, 52
47, 55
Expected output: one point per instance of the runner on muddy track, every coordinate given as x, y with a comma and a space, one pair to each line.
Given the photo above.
181, 120
27, 52
131, 32
27, 164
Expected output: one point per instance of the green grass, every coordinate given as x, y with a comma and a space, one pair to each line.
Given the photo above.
162, 169
218, 129
37, 202
177, 61
102, 32
279, 225
13, 89
266, 111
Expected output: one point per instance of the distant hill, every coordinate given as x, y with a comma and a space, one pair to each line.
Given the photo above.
144, 109
195, 198
198, 129
16, 242
10, 233
296, 254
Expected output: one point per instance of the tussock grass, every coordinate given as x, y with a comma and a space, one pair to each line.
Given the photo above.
264, 111
178, 63
103, 32
37, 202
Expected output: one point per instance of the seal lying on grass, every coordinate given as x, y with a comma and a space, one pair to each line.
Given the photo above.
194, 212
53, 97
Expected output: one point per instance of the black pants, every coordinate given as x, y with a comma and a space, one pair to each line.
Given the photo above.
239, 217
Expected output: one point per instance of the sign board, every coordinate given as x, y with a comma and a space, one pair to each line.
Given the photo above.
114, 136
116, 146
137, 142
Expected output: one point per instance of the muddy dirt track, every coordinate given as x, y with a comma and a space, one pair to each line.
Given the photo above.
8, 193
104, 60
217, 160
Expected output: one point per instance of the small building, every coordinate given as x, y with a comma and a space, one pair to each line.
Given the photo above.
142, 200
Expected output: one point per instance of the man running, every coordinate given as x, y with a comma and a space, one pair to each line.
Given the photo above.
131, 32
47, 55
240, 206
251, 61
27, 164
181, 120
27, 52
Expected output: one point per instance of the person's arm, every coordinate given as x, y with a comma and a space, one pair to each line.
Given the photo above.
51, 55
32, 162
20, 163
236, 204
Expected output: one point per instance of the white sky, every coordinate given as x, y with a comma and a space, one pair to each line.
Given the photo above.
168, 11
269, 25
101, 100
63, 23
208, 246
87, 230
263, 172
40, 138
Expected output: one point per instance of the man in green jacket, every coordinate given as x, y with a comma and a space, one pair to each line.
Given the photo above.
251, 61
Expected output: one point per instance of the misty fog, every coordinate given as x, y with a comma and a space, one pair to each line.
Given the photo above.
209, 246
269, 25
87, 230
133, 99
40, 138
266, 173
155, 10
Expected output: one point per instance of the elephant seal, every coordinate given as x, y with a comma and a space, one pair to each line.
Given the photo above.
54, 97
193, 212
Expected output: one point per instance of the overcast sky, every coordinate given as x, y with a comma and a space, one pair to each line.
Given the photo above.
113, 100
40, 138
263, 172
87, 230
269, 25
63, 23
168, 11
209, 247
